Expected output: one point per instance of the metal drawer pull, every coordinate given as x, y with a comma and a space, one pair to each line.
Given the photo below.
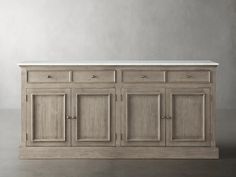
168, 117
49, 76
143, 76
189, 76
93, 76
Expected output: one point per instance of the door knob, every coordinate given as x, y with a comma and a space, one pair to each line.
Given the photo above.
143, 76
68, 117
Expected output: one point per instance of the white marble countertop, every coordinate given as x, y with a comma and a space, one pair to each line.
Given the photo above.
120, 63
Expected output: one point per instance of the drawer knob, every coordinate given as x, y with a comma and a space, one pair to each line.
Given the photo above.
93, 76
189, 76
143, 76
49, 76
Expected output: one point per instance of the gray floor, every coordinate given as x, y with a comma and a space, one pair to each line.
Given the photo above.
11, 166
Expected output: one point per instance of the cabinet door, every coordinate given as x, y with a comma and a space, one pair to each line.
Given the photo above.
188, 117
142, 111
46, 117
94, 117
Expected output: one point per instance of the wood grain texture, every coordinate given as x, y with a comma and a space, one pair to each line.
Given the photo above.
23, 107
213, 108
94, 76
48, 76
47, 110
116, 107
188, 76
142, 117
143, 76
189, 118
119, 153
93, 119
48, 117
94, 124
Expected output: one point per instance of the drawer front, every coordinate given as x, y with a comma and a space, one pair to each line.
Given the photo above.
188, 76
143, 76
48, 76
94, 76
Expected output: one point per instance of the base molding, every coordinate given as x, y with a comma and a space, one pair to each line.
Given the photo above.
119, 153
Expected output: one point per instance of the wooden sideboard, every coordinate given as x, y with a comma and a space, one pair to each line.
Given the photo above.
118, 109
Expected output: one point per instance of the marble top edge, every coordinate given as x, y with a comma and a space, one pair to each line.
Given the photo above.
120, 62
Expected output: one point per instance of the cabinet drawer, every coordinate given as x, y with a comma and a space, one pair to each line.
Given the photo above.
94, 76
188, 76
48, 76
143, 76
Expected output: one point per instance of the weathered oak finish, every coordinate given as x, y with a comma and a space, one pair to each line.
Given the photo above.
46, 111
188, 117
119, 153
143, 76
94, 117
118, 112
189, 76
94, 76
48, 76
142, 121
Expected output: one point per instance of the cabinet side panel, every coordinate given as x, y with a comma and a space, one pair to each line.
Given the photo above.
23, 106
213, 107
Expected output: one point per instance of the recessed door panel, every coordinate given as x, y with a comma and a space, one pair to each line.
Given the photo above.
94, 117
142, 124
188, 117
47, 110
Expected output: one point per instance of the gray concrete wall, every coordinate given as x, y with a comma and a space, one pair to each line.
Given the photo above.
117, 29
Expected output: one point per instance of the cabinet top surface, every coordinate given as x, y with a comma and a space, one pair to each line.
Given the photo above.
120, 63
